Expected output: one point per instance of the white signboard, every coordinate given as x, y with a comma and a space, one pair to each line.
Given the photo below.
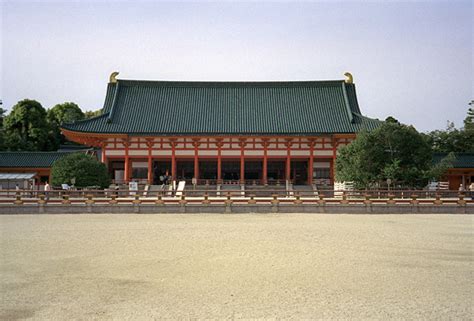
133, 187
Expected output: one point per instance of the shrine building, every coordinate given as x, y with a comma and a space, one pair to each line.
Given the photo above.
223, 132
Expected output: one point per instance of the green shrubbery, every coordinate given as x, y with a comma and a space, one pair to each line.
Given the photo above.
86, 170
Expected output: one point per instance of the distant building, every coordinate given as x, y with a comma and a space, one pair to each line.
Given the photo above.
223, 132
462, 172
23, 168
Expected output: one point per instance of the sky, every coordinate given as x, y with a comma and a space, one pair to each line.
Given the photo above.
412, 60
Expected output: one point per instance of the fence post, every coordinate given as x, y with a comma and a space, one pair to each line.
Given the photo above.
297, 200
367, 200
206, 198
228, 204
113, 198
18, 200
136, 199
321, 200
344, 198
252, 199
390, 199
414, 200
66, 198
182, 199
41, 199
275, 200
89, 199
159, 199
438, 200
461, 200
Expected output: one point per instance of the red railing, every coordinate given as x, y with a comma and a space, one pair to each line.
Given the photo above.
258, 196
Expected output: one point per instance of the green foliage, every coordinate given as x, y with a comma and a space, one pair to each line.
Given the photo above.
392, 151
85, 169
62, 113
26, 127
469, 120
452, 140
391, 119
2, 134
439, 169
91, 114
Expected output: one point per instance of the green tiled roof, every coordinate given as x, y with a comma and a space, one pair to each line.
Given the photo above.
463, 160
30, 159
243, 108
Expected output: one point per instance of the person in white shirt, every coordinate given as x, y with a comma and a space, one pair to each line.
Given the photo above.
47, 188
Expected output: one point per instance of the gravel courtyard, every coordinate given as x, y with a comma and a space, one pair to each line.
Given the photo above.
236, 266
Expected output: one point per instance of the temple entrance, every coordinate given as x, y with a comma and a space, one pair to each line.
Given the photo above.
184, 169
275, 170
253, 170
160, 168
299, 172
207, 169
117, 171
230, 170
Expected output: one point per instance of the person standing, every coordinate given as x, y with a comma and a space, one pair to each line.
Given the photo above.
47, 188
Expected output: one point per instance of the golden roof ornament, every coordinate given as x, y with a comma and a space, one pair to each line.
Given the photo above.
113, 77
349, 79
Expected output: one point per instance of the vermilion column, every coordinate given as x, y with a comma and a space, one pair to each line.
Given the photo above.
196, 159
150, 163
242, 162
288, 161
127, 163
219, 161
311, 162
173, 160
265, 174
103, 146
333, 163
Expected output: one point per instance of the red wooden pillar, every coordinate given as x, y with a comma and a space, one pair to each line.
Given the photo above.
150, 162
288, 161
311, 162
333, 163
265, 174
242, 161
102, 156
219, 161
196, 158
126, 176
173, 160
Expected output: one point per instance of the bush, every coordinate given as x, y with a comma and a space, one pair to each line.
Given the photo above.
85, 169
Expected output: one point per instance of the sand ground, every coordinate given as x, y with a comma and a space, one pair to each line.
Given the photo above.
236, 266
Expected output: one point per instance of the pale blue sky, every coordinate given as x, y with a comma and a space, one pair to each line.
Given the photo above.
412, 60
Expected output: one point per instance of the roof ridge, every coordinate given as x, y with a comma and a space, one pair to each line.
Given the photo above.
207, 83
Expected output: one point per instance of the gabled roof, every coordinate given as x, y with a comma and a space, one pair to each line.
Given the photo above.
463, 160
30, 159
217, 108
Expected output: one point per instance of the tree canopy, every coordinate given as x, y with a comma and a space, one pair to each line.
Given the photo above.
93, 113
393, 151
26, 127
2, 134
67, 112
469, 121
86, 170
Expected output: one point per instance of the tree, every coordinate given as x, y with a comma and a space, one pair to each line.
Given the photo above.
393, 151
26, 128
67, 112
439, 169
469, 120
86, 170
2, 134
452, 139
91, 114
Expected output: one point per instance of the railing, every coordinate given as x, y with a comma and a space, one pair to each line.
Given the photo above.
206, 196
